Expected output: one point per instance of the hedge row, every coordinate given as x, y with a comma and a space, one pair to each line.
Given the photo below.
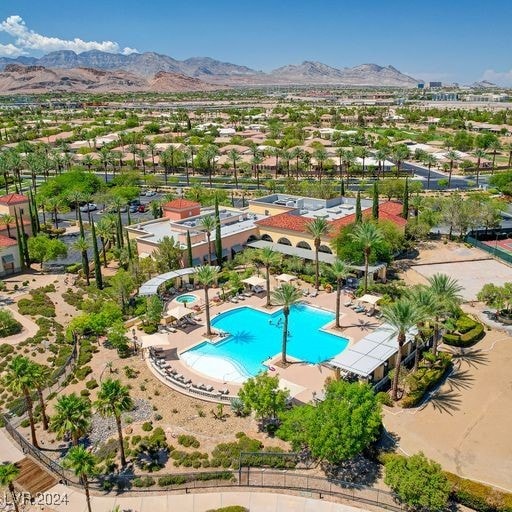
477, 496
467, 339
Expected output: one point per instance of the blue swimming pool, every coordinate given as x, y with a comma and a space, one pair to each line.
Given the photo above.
254, 336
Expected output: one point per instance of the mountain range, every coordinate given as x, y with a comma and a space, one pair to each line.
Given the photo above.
211, 71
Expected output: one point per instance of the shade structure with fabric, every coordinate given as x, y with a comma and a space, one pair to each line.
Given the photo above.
178, 312
159, 339
285, 278
254, 281
369, 299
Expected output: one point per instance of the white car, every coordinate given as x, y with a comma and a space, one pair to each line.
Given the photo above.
88, 207
150, 193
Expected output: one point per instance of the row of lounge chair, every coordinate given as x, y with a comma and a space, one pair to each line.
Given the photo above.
307, 293
173, 376
358, 308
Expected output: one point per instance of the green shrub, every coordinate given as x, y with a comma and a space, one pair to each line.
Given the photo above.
39, 304
147, 426
6, 349
188, 441
82, 372
385, 398
8, 324
465, 323
85, 392
91, 384
145, 481
164, 481
230, 508
472, 336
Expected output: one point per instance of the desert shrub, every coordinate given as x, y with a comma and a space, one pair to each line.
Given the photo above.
147, 426
6, 349
85, 392
39, 304
384, 398
164, 481
188, 441
107, 450
8, 324
91, 384
145, 481
82, 372
229, 508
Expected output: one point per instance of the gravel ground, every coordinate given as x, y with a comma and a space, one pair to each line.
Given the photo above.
104, 428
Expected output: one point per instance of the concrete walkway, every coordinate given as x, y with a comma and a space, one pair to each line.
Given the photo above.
254, 501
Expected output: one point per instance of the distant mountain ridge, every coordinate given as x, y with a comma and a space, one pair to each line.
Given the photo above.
205, 68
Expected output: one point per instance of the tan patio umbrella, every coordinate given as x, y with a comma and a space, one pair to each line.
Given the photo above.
178, 312
254, 281
286, 278
158, 339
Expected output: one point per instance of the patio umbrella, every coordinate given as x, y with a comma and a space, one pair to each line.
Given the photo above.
178, 312
158, 339
285, 278
254, 281
370, 299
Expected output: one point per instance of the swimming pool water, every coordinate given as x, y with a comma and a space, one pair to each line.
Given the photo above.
186, 299
254, 336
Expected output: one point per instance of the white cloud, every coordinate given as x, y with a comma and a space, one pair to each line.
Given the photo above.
9, 50
26, 39
498, 77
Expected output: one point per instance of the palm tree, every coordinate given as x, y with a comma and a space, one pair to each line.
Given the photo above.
286, 295
208, 223
8, 474
382, 155
152, 151
429, 161
339, 270
369, 236
82, 245
235, 157
19, 380
348, 159
318, 228
363, 153
479, 153
7, 220
105, 228
72, 417
400, 153
401, 315
320, 156
256, 161
114, 399
268, 258
446, 290
495, 145
83, 464
42, 377
453, 156
210, 153
296, 153
207, 275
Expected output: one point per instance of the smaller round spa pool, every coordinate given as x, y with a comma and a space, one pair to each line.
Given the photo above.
186, 299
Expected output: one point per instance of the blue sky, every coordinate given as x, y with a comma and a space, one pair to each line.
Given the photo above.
448, 40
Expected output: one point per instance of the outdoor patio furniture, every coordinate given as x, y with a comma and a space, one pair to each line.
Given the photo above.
233, 300
248, 294
240, 297
224, 391
187, 381
208, 388
178, 376
313, 293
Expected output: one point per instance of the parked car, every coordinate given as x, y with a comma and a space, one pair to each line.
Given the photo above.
134, 202
150, 193
88, 207
134, 208
143, 208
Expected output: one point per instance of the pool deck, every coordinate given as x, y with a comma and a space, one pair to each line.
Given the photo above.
302, 379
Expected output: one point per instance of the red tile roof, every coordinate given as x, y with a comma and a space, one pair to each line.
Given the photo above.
389, 210
181, 204
13, 199
5, 241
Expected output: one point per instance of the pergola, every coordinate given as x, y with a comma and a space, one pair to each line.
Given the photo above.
285, 278
370, 299
178, 312
155, 340
254, 281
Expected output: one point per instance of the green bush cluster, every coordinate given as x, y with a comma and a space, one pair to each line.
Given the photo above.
74, 298
145, 481
193, 459
188, 441
167, 480
147, 426
91, 384
467, 332
82, 372
39, 304
229, 508
8, 324
477, 496
426, 377
5, 350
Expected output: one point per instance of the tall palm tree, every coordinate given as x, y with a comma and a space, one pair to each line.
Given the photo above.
286, 295
339, 270
42, 378
369, 236
429, 161
268, 258
400, 153
382, 155
479, 153
105, 229
446, 290
8, 474
495, 145
210, 153
296, 153
82, 245
363, 153
83, 464
113, 400
401, 315
256, 161
235, 157
453, 157
320, 156
19, 380
152, 152
7, 220
207, 275
208, 223
318, 228
72, 417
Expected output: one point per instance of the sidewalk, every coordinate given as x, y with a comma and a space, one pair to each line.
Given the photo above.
254, 501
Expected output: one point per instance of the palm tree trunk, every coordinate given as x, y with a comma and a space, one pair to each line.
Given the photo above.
268, 286
398, 363
285, 337
103, 250
436, 337
30, 412
366, 263
209, 249
13, 496
235, 175
87, 495
338, 300
43, 408
317, 267
207, 312
121, 445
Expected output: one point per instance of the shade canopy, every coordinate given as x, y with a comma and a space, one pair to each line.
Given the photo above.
254, 281
159, 339
178, 312
370, 299
285, 278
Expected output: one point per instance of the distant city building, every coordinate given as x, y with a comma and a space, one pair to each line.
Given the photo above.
421, 86
435, 85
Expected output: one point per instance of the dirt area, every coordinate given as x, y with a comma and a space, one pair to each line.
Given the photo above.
466, 424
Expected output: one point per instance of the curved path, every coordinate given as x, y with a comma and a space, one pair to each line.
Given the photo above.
254, 501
